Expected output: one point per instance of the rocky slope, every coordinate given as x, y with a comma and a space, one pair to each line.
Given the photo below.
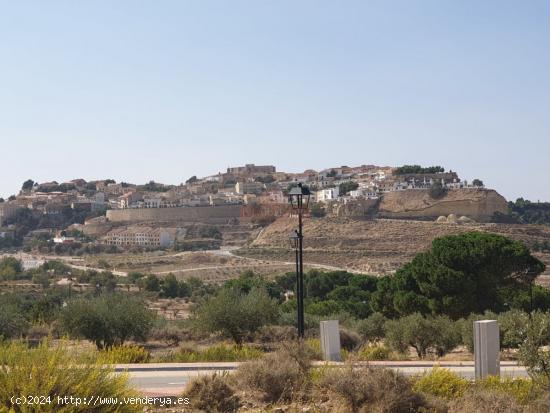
479, 204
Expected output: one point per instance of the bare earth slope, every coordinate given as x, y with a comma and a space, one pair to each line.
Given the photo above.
378, 246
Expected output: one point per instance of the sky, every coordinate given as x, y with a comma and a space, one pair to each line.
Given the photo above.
163, 90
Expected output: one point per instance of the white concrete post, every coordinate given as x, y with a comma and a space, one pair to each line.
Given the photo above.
486, 348
330, 340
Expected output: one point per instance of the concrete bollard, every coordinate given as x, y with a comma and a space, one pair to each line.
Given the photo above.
330, 340
486, 348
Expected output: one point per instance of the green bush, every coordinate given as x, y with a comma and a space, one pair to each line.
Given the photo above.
52, 372
107, 320
218, 352
12, 321
234, 314
125, 354
533, 352
442, 383
437, 334
10, 268
513, 328
372, 327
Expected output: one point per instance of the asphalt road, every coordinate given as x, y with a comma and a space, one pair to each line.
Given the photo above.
171, 379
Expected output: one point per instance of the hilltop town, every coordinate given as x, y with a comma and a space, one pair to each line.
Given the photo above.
108, 211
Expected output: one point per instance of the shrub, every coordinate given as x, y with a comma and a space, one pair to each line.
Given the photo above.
38, 332
523, 390
513, 325
212, 394
45, 371
539, 405
438, 334
372, 328
448, 335
317, 210
478, 400
277, 376
349, 340
314, 345
12, 321
170, 335
442, 383
124, 355
10, 267
107, 320
533, 352
234, 314
276, 334
372, 390
374, 352
171, 287
218, 352
437, 190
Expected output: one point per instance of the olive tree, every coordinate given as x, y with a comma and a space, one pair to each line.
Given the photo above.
107, 320
424, 334
235, 314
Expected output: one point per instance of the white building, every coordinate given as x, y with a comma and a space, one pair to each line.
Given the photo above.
329, 194
249, 187
140, 236
368, 193
152, 202
380, 175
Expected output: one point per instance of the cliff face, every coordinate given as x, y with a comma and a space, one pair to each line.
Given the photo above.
479, 204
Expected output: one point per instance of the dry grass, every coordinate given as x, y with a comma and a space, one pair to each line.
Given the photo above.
371, 390
212, 394
279, 376
485, 401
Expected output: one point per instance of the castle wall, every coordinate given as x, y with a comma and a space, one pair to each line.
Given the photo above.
212, 214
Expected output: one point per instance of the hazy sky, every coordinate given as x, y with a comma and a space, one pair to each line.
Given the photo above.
162, 90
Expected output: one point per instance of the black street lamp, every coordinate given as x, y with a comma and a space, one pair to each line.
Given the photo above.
295, 245
298, 197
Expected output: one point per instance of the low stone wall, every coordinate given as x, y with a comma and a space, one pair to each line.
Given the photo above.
211, 214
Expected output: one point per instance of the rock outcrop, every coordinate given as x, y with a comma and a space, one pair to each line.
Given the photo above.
478, 204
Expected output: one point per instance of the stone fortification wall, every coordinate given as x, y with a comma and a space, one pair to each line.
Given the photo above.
479, 204
211, 214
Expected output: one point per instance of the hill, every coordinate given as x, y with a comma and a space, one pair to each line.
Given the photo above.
375, 246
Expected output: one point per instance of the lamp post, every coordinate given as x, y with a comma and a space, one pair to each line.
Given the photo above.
295, 245
298, 198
